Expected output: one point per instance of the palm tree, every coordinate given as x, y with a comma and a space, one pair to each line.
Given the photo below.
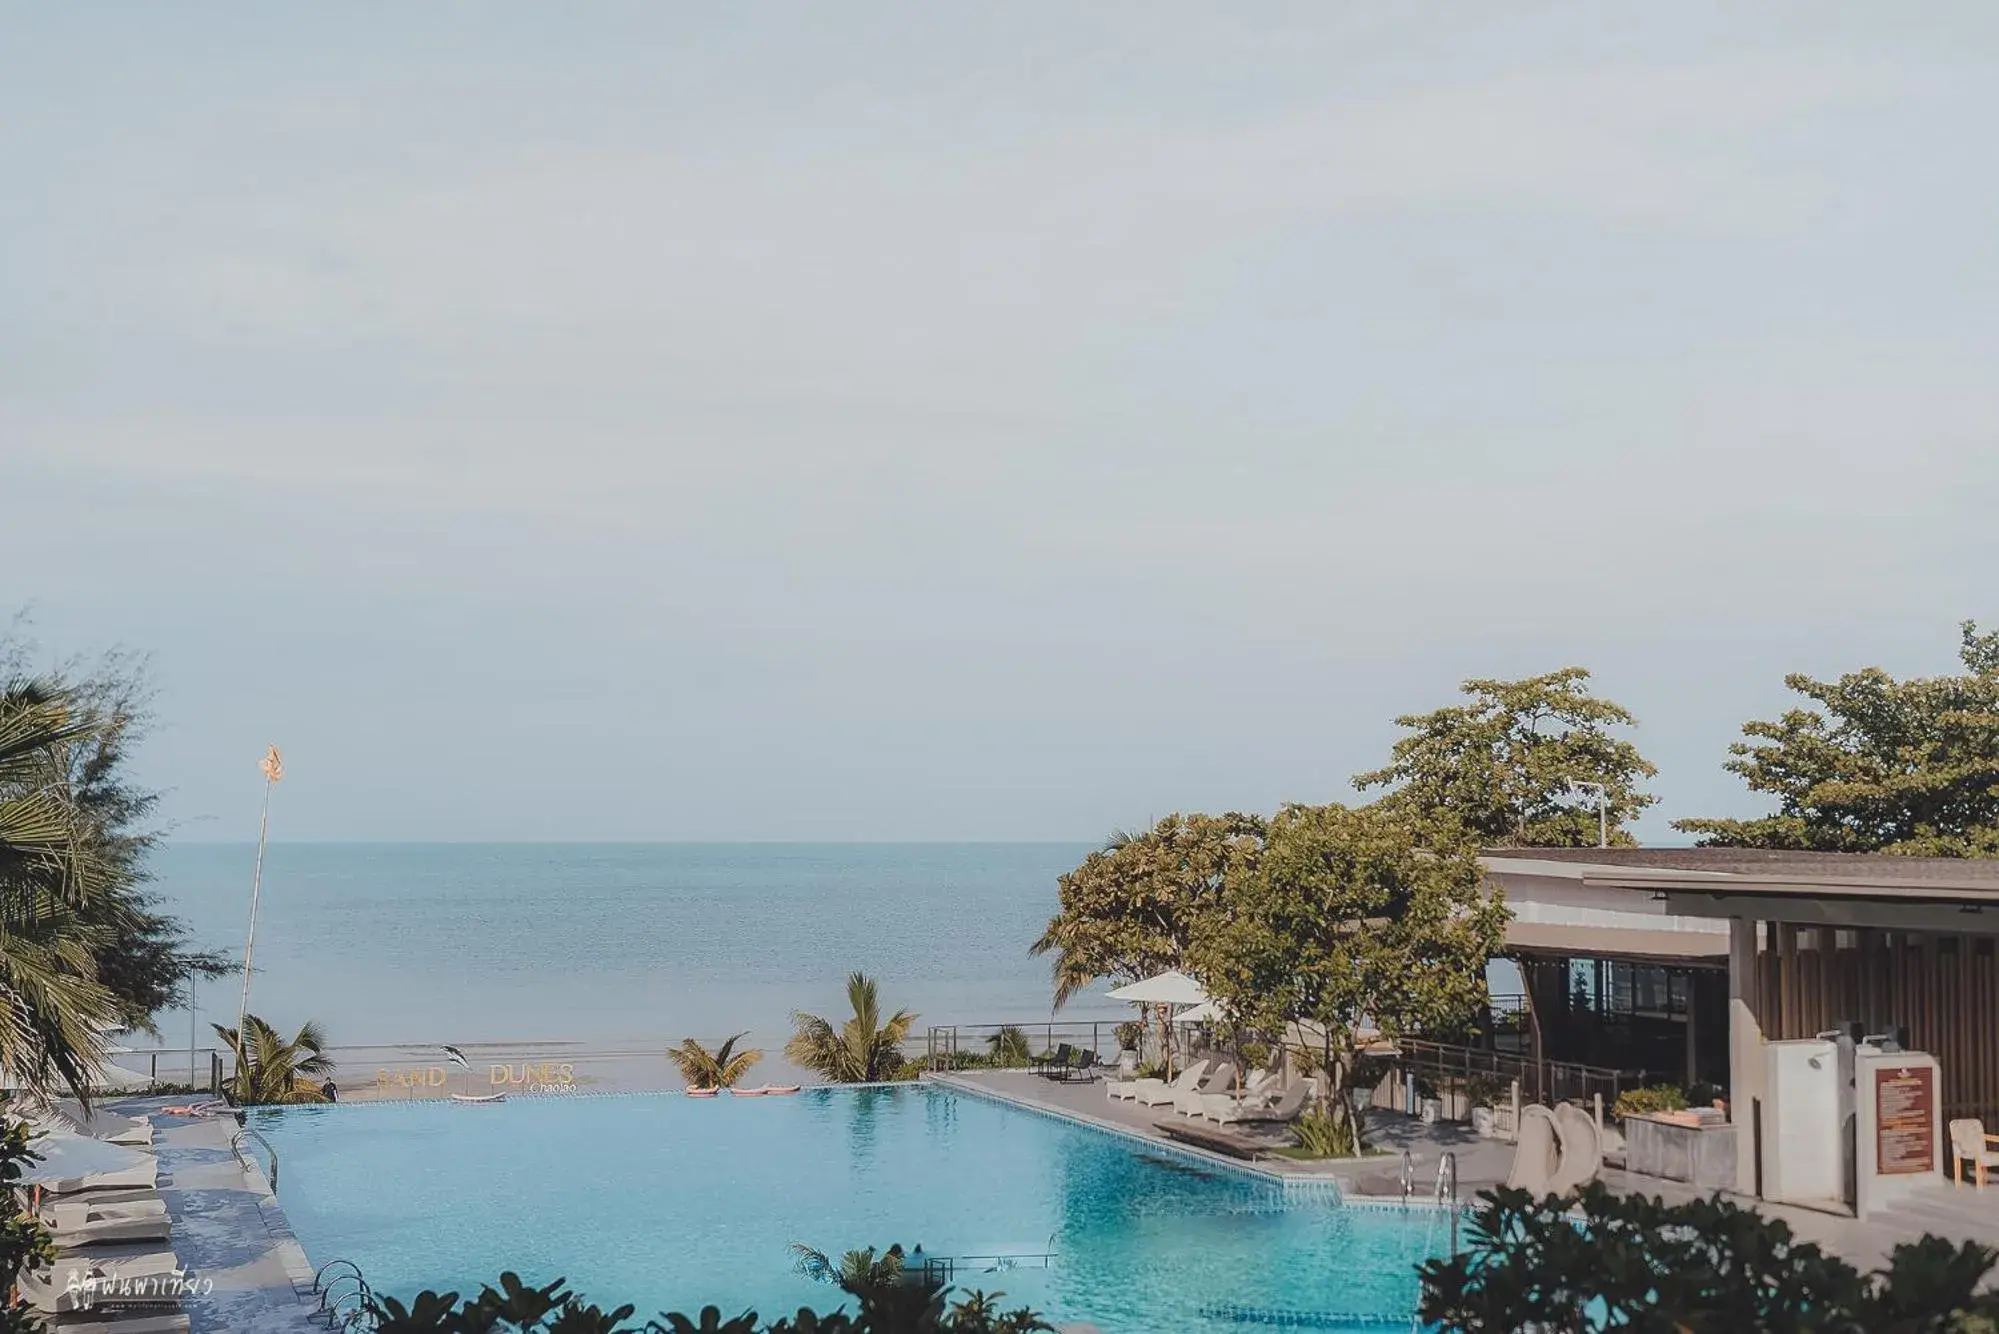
1010, 1047
863, 1050
717, 1069
271, 1070
52, 865
862, 1273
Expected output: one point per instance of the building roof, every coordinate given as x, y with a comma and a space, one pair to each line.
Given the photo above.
1659, 946
1771, 864
1738, 873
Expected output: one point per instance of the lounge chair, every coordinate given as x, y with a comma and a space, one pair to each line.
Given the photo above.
1537, 1152
1581, 1149
133, 1132
1055, 1062
1281, 1110
144, 1175
1970, 1144
1260, 1087
1187, 1102
1152, 1092
100, 1217
104, 1279
110, 1322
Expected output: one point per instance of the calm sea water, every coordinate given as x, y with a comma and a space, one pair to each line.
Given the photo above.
490, 942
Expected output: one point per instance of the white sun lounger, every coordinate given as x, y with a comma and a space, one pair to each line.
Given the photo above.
131, 1131
112, 1322
94, 1218
1153, 1092
1259, 1088
1283, 1108
1197, 1103
101, 1278
146, 1174
1187, 1101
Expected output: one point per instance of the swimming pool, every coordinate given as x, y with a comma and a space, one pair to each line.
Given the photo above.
673, 1202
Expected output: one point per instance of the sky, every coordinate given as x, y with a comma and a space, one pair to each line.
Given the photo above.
633, 421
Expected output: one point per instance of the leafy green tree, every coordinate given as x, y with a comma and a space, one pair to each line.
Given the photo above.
864, 1050
1709, 1267
1128, 912
722, 1068
271, 1070
1881, 765
52, 1005
1347, 922
82, 944
1503, 769
24, 1242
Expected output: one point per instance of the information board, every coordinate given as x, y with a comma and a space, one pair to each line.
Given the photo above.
1905, 1119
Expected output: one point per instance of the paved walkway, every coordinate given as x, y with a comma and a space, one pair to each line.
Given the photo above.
1958, 1213
227, 1228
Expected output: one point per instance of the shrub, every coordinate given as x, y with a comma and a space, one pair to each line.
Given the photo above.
1636, 1264
1130, 1034
1256, 1055
890, 1299
1321, 1136
1010, 1048
1487, 1090
1654, 1098
1705, 1095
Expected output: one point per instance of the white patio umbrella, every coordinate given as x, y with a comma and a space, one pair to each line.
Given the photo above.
1207, 1012
1168, 988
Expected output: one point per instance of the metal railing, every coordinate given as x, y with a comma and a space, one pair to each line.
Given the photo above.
1453, 1071
948, 1045
238, 1144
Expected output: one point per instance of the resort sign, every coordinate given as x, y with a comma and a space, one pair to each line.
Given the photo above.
546, 1076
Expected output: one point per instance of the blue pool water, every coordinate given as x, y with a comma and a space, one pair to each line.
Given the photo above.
672, 1202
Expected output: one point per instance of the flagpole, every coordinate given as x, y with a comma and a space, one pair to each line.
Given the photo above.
274, 770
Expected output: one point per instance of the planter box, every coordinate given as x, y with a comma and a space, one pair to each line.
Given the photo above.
1701, 1155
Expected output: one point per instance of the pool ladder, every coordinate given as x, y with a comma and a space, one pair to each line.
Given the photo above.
345, 1299
239, 1147
1447, 1192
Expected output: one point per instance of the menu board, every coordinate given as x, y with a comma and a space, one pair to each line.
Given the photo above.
1905, 1119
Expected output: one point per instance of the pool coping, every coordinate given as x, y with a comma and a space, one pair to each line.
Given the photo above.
1293, 1183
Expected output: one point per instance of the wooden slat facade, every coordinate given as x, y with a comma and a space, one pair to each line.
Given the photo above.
1944, 989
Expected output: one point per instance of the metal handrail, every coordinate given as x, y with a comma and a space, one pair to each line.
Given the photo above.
242, 1153
1408, 1176
335, 1294
1447, 1192
320, 1280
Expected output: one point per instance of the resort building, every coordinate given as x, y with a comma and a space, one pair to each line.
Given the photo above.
1739, 956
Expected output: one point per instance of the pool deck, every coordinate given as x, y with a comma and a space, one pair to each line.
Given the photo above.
1480, 1162
227, 1228
1958, 1213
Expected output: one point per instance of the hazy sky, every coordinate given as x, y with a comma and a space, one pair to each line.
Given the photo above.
1010, 421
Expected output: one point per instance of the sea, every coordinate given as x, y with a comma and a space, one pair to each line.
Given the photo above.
603, 943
